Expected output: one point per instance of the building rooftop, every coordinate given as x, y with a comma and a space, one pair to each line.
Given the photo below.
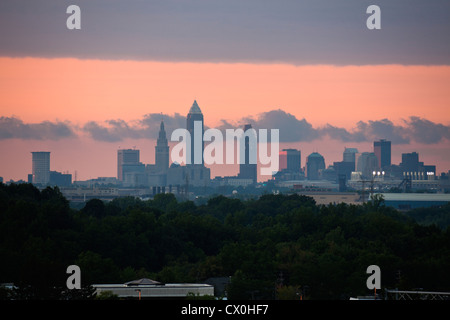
143, 281
416, 196
195, 109
150, 289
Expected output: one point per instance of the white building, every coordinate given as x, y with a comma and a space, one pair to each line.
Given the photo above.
150, 289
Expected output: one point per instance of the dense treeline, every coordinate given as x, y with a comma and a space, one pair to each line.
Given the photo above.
273, 247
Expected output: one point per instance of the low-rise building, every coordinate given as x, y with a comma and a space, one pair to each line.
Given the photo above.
150, 289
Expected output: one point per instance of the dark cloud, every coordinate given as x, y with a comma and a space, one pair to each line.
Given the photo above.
368, 131
14, 128
151, 123
115, 130
289, 31
293, 129
145, 128
425, 131
290, 129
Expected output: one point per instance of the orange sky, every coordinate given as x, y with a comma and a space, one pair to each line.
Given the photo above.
78, 91
82, 90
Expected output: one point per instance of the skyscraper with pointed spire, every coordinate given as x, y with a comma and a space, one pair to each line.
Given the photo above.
176, 176
162, 151
197, 145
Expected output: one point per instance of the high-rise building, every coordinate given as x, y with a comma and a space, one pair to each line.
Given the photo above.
382, 150
415, 169
41, 167
126, 157
197, 146
290, 159
344, 168
410, 162
350, 156
162, 151
367, 163
248, 170
315, 162
194, 173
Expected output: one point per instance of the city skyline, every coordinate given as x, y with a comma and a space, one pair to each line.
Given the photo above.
369, 146
83, 94
164, 173
336, 155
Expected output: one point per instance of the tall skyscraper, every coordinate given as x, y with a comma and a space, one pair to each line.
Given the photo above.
350, 156
41, 167
290, 159
162, 151
315, 163
126, 157
382, 150
197, 145
248, 170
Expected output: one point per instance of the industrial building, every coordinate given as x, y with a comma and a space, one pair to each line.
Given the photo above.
150, 289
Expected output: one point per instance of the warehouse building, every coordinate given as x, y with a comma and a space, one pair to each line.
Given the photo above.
150, 289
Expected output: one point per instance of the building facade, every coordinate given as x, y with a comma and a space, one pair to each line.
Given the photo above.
41, 167
367, 163
126, 160
290, 159
194, 116
248, 170
315, 163
382, 150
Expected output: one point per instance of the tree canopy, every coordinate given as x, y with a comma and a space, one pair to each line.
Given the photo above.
272, 247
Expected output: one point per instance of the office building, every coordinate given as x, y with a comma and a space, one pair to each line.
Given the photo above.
349, 154
410, 162
60, 179
248, 170
290, 160
344, 168
414, 169
367, 163
315, 163
41, 167
197, 146
126, 158
382, 150
134, 175
192, 175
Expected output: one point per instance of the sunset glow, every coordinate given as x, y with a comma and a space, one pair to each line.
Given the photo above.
78, 91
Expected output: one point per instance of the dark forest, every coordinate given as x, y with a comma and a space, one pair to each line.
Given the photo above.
272, 247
